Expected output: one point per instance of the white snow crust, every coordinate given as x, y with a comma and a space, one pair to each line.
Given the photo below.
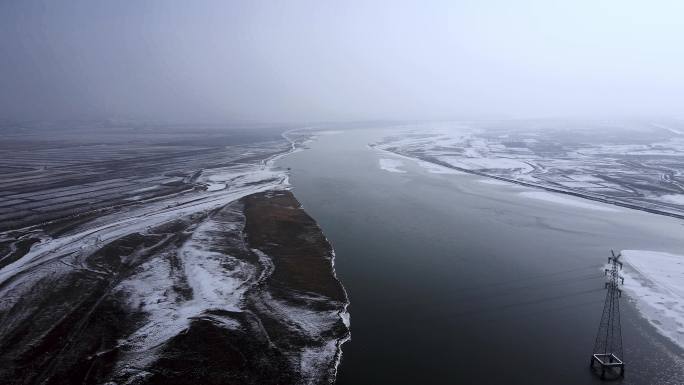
673, 198
438, 169
655, 281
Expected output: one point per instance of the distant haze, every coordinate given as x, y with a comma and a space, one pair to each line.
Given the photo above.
340, 60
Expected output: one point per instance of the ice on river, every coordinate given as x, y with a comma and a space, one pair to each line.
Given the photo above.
566, 200
391, 165
655, 281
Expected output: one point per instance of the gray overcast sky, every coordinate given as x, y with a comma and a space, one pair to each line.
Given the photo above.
337, 60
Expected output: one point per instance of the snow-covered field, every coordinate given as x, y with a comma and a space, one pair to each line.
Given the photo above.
252, 179
496, 182
437, 169
170, 260
634, 164
206, 273
655, 282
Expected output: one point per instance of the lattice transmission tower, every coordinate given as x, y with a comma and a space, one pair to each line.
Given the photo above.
607, 356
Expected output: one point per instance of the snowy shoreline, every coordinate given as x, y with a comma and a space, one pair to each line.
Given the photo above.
152, 288
655, 282
536, 186
630, 172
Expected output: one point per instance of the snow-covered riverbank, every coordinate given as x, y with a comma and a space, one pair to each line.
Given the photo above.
655, 282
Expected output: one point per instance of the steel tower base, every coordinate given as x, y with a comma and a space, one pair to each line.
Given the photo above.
607, 362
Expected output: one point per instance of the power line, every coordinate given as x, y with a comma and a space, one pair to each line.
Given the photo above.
546, 311
516, 289
488, 309
528, 278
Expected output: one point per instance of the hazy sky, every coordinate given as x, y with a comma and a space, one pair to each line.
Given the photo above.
338, 60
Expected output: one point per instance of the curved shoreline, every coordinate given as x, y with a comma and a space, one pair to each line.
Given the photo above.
343, 314
303, 273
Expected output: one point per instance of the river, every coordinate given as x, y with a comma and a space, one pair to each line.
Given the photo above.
453, 279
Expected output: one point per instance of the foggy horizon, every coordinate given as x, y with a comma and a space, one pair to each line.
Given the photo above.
308, 61
306, 192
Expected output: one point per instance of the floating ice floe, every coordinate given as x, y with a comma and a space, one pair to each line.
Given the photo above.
391, 165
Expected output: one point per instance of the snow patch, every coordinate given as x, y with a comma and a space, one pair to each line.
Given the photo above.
215, 186
476, 163
433, 168
315, 325
329, 132
655, 281
677, 199
497, 182
214, 280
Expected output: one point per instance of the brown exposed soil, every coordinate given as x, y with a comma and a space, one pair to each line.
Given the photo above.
278, 226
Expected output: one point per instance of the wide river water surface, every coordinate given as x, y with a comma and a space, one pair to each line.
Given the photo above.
454, 279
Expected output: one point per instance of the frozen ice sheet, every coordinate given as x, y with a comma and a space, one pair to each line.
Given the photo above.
655, 281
